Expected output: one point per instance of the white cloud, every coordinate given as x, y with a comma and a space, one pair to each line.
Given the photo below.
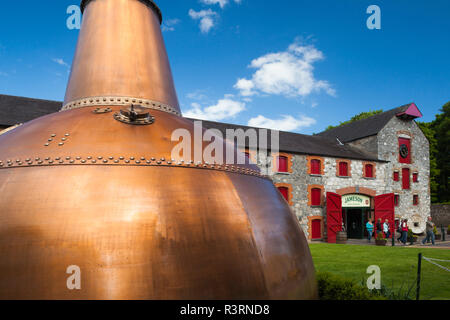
289, 73
206, 17
61, 62
169, 25
224, 109
286, 123
222, 3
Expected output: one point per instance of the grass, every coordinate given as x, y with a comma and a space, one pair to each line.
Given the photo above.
398, 266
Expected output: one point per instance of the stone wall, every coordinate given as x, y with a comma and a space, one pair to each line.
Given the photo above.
388, 149
441, 214
300, 180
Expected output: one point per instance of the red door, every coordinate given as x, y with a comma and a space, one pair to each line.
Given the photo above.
316, 229
334, 216
385, 209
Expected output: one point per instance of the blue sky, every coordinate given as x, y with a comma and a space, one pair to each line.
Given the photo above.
294, 65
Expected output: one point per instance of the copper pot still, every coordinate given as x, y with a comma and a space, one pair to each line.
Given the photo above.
93, 207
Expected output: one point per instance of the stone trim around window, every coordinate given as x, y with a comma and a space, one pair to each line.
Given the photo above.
290, 191
349, 163
374, 166
322, 193
322, 164
310, 220
275, 162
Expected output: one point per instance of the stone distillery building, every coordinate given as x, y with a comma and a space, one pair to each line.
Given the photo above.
336, 180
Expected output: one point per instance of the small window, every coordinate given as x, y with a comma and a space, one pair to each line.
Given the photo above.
316, 197
396, 200
416, 200
369, 171
316, 166
396, 176
282, 164
343, 169
415, 177
284, 192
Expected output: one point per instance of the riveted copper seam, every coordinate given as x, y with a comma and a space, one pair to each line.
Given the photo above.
119, 101
126, 162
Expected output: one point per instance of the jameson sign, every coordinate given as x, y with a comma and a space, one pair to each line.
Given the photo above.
355, 201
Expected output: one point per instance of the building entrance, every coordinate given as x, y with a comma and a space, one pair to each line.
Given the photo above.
354, 223
355, 208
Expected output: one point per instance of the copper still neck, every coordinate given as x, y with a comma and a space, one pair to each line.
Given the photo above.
121, 58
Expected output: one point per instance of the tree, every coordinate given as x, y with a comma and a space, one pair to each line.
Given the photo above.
441, 127
361, 116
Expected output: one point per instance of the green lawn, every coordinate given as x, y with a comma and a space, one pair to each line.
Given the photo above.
398, 266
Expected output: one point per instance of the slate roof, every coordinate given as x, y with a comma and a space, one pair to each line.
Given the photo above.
14, 110
363, 128
303, 144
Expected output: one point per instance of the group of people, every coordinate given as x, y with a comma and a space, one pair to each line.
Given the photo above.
402, 230
384, 228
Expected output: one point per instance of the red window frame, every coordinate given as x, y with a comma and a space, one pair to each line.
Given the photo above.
316, 166
407, 142
415, 177
284, 192
343, 169
396, 176
282, 163
406, 179
316, 229
316, 197
368, 169
416, 200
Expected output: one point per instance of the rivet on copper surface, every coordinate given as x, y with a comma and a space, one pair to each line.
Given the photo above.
67, 158
105, 160
61, 143
121, 158
94, 161
27, 159
127, 161
153, 159
163, 159
148, 161
169, 162
72, 161
100, 158
53, 135
83, 161
116, 161
50, 140
159, 162
89, 158
40, 162
61, 161
50, 161
137, 161
37, 159
131, 158
63, 139
78, 158
111, 158
142, 158
46, 145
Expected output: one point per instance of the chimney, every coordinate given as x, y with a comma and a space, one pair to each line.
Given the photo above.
121, 58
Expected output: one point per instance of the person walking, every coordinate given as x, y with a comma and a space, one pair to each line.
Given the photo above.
386, 231
430, 231
379, 228
369, 227
404, 231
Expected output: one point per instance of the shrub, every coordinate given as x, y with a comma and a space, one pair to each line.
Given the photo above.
380, 236
435, 231
333, 287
